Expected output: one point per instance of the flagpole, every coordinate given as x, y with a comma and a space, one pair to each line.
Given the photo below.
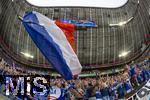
13, 6
20, 18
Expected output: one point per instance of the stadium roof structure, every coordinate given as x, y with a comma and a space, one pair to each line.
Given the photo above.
121, 33
78, 3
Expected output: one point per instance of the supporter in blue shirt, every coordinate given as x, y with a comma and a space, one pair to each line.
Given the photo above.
56, 92
86, 95
91, 91
98, 95
127, 87
105, 93
132, 71
112, 92
120, 91
139, 78
145, 74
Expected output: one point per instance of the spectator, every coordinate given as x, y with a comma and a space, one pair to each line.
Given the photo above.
98, 88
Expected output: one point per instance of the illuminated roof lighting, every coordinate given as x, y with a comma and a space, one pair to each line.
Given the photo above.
27, 55
123, 54
122, 23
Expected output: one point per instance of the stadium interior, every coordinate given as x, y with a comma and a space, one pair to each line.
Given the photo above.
117, 51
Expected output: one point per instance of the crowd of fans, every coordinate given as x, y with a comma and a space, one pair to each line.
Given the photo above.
106, 87
12, 69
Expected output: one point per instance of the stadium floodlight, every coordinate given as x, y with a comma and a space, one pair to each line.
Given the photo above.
27, 55
125, 53
122, 23
79, 3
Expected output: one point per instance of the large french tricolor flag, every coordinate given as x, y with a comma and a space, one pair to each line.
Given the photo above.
55, 40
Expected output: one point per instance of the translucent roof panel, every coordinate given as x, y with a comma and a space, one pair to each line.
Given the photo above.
79, 3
